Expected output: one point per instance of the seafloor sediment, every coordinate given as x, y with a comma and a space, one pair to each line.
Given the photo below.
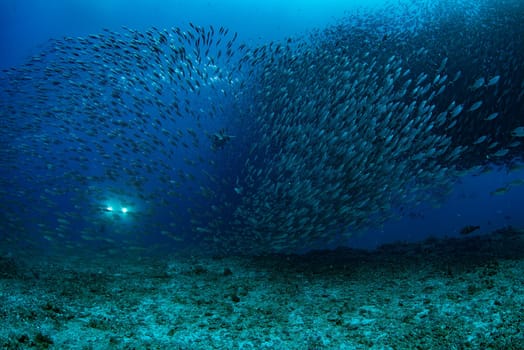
465, 293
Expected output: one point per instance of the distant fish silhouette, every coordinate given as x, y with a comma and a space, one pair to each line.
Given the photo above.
466, 230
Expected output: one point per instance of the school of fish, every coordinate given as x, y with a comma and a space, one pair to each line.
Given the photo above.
232, 148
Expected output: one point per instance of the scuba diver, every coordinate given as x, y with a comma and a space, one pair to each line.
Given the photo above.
219, 139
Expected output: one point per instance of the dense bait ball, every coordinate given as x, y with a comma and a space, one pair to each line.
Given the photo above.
190, 134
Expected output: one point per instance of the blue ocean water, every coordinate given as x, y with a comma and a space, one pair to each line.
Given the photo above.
27, 26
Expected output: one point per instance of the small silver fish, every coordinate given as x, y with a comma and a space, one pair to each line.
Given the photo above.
492, 116
475, 106
477, 84
518, 132
493, 80
480, 140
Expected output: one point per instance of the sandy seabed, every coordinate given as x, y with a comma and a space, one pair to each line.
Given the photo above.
465, 293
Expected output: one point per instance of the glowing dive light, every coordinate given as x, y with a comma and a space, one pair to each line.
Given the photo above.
124, 210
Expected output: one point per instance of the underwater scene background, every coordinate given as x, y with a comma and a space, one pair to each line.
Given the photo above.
210, 142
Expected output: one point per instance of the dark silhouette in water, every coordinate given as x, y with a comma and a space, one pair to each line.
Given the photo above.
466, 230
220, 139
